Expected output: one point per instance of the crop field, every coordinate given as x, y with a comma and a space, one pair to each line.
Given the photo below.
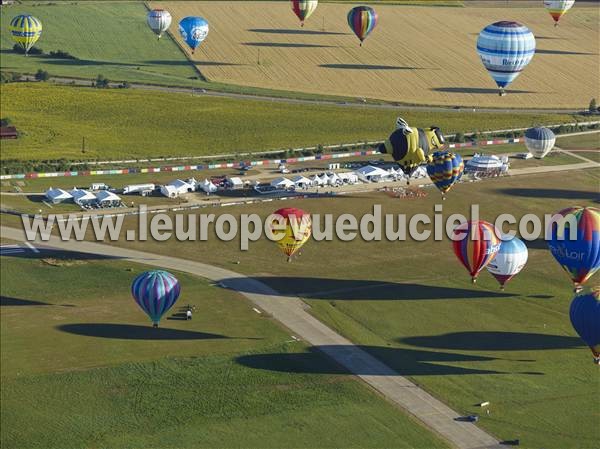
412, 304
87, 370
415, 55
124, 123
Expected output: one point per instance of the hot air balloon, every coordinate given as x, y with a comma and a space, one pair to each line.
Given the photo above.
304, 8
585, 318
362, 20
579, 257
298, 228
155, 292
193, 30
445, 169
410, 147
539, 141
159, 21
505, 48
509, 261
25, 30
558, 8
476, 243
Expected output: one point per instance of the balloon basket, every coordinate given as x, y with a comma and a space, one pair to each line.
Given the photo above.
597, 361
502, 93
577, 288
473, 280
155, 325
289, 259
502, 287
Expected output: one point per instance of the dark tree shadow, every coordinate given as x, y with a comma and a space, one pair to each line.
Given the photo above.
134, 332
343, 289
406, 362
478, 90
552, 193
563, 52
368, 67
295, 31
8, 301
285, 45
89, 62
58, 255
200, 63
493, 341
179, 316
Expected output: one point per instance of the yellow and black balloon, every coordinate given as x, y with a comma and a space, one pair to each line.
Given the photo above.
25, 30
298, 229
411, 147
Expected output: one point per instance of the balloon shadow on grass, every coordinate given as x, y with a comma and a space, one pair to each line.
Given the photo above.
8, 301
478, 90
199, 63
134, 332
347, 289
563, 52
552, 193
285, 45
405, 362
368, 67
295, 31
493, 341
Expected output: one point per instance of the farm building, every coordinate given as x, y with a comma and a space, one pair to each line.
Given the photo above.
8, 132
107, 199
56, 196
83, 197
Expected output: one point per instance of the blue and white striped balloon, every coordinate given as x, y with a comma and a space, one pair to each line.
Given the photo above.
155, 292
539, 141
505, 48
509, 261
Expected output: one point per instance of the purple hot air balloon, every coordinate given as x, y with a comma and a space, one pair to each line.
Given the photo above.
155, 292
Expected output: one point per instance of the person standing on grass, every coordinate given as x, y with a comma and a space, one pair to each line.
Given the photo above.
188, 314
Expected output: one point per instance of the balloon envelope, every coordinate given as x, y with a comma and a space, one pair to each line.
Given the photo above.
362, 20
585, 318
445, 170
159, 21
580, 256
193, 30
155, 292
505, 49
509, 261
539, 141
557, 8
298, 229
411, 147
475, 244
25, 30
304, 8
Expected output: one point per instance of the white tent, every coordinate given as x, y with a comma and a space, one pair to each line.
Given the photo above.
334, 180
316, 180
348, 177
138, 188
56, 196
282, 183
301, 182
82, 197
372, 174
181, 186
324, 179
208, 186
106, 198
484, 163
235, 182
420, 172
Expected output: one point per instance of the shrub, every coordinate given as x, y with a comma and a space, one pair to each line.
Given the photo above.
101, 82
42, 75
60, 54
5, 121
32, 51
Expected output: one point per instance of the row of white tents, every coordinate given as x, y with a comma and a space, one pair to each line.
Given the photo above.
83, 198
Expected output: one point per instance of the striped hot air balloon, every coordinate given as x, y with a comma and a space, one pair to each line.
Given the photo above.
505, 49
585, 318
155, 292
475, 243
362, 20
580, 256
509, 261
304, 8
159, 21
25, 30
298, 229
558, 8
539, 141
445, 169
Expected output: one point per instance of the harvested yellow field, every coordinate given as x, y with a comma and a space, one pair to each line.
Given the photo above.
420, 55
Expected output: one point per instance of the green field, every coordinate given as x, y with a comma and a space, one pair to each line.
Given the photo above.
121, 124
82, 368
413, 305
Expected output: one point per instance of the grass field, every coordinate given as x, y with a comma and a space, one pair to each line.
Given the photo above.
107, 38
415, 55
121, 124
413, 305
85, 369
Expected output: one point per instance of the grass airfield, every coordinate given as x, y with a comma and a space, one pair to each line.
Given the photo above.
75, 346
